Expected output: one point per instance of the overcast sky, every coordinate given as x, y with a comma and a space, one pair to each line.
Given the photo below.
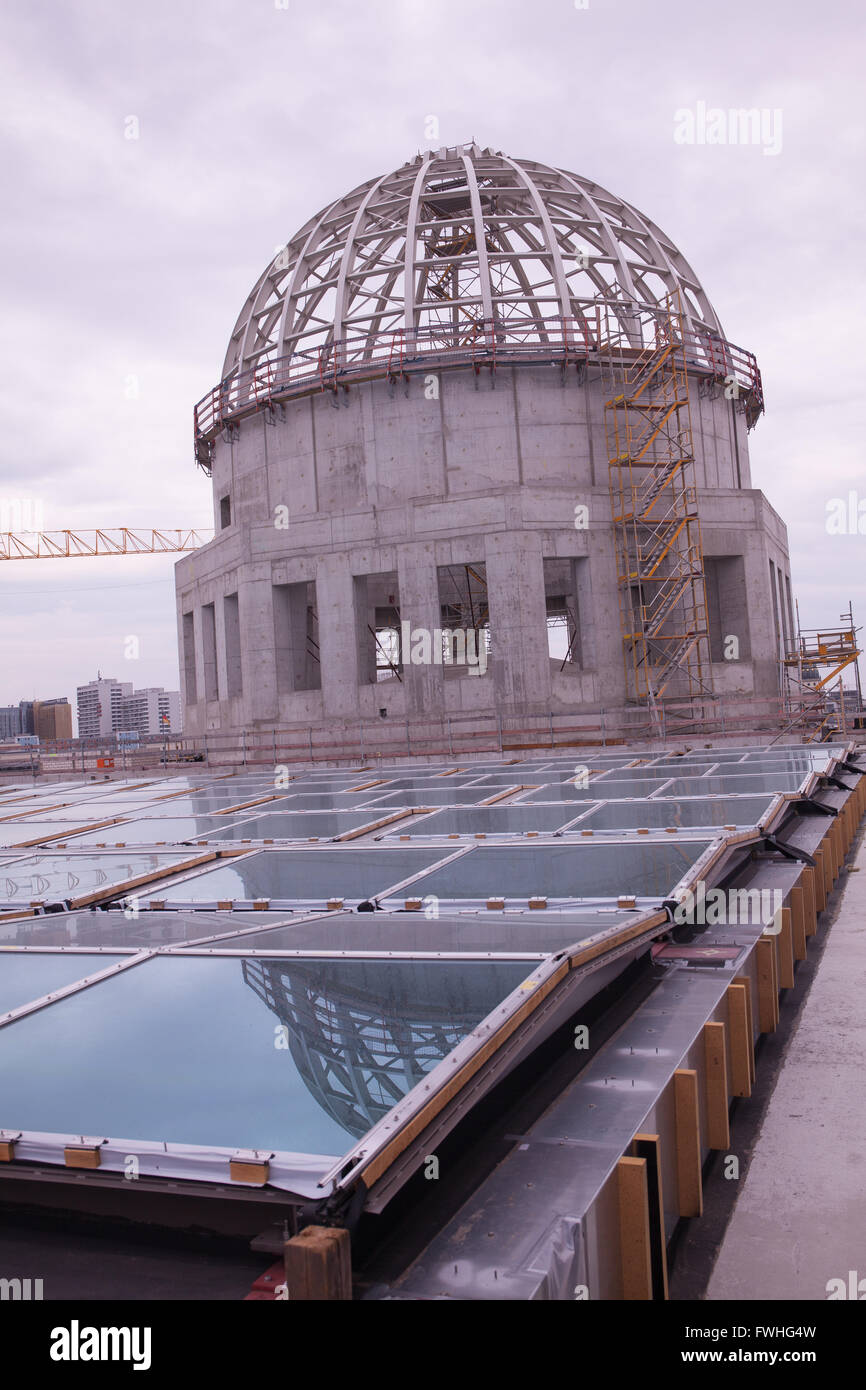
126, 261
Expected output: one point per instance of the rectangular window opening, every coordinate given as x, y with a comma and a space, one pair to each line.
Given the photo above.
378, 627
296, 637
563, 580
727, 607
464, 637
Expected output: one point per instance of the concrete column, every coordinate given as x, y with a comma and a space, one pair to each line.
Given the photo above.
763, 621
232, 638
258, 657
186, 651
601, 618
418, 581
518, 619
365, 619
583, 608
338, 642
222, 675
198, 630
783, 609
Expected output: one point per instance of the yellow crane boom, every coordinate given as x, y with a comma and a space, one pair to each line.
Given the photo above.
65, 545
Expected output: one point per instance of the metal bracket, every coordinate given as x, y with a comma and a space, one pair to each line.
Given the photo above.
342, 1208
789, 851
809, 805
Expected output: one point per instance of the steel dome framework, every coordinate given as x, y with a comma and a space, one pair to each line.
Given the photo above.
465, 255
454, 239
360, 1053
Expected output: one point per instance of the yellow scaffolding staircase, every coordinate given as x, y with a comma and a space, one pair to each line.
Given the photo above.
804, 687
659, 558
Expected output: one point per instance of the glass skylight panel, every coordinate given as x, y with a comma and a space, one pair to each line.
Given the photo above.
23, 832
330, 801
674, 769
301, 825
683, 813
86, 811
512, 819
211, 805
573, 870
294, 1056
594, 790
308, 875
791, 762
633, 774
477, 933
48, 877
454, 796
734, 783
125, 930
156, 830
25, 977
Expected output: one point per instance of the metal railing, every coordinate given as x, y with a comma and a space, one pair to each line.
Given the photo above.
558, 340
719, 718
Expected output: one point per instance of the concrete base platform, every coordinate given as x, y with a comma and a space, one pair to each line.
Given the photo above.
800, 1219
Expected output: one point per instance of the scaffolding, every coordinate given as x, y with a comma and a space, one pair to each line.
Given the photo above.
805, 688
657, 538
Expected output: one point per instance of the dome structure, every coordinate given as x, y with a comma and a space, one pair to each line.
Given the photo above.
453, 240
479, 452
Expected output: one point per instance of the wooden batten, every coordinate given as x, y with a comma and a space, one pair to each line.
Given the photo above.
740, 1037
318, 1265
690, 1199
716, 1081
634, 1229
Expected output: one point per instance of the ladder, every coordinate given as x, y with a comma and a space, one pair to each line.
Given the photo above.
654, 508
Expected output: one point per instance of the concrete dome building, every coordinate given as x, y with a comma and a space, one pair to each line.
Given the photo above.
480, 446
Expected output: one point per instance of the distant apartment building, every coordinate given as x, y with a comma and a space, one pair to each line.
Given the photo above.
52, 719
151, 711
99, 706
48, 719
16, 719
107, 706
170, 711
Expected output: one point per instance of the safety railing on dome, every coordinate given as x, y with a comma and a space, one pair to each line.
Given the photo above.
558, 340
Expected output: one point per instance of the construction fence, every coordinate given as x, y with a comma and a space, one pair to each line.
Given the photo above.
391, 740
